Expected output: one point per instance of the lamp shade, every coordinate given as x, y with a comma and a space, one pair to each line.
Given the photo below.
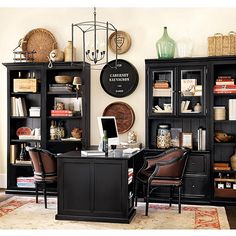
77, 80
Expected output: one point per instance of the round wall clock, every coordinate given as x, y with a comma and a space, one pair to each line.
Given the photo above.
119, 81
123, 42
123, 113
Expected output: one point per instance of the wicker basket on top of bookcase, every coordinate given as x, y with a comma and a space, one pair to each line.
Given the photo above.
222, 45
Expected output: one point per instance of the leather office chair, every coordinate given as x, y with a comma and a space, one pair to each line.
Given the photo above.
45, 170
165, 169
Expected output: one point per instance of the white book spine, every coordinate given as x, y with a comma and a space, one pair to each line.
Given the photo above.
232, 109
17, 107
182, 105
13, 106
199, 137
21, 112
203, 140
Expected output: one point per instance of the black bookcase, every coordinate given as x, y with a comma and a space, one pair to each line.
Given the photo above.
202, 178
175, 73
44, 99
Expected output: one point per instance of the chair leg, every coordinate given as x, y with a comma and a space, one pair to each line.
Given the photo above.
45, 195
180, 191
147, 199
171, 194
136, 192
36, 192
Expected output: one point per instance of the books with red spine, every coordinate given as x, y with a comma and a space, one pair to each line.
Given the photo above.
61, 113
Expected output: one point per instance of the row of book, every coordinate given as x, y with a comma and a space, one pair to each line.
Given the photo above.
201, 138
224, 84
18, 106
130, 175
25, 182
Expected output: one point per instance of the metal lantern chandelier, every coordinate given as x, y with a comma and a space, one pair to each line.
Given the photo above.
94, 52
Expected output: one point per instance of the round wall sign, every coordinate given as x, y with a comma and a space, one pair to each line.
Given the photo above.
120, 81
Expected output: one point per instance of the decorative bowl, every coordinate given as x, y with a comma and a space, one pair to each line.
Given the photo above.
76, 133
63, 79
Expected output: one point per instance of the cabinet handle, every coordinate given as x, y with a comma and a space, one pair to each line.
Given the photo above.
193, 163
193, 186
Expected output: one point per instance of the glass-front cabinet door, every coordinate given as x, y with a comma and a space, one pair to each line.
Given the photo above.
192, 91
162, 86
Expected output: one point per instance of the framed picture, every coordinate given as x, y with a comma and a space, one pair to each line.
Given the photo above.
186, 140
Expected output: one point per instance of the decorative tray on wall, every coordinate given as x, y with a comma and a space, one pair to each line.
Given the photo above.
123, 42
40, 40
124, 115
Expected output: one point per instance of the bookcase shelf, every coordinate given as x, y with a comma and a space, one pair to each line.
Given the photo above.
45, 100
64, 117
62, 93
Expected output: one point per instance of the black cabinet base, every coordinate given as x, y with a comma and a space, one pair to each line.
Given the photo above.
109, 219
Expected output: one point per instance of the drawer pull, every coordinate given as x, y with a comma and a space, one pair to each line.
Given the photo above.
193, 186
193, 163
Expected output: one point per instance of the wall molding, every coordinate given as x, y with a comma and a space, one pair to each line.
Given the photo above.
3, 180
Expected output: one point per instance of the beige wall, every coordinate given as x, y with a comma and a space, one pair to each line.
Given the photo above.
144, 25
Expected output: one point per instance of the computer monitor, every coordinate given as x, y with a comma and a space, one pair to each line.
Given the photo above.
108, 123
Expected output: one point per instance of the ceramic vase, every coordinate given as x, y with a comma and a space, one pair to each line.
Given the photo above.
68, 52
233, 161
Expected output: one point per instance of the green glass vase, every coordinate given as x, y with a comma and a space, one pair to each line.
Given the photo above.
165, 46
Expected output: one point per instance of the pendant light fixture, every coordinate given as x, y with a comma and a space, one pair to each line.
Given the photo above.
95, 47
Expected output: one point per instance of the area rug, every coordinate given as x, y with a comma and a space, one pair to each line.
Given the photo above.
23, 213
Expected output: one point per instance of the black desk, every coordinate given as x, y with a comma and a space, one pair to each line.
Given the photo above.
95, 188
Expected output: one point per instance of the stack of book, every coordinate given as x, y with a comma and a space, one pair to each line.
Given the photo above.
25, 182
130, 175
60, 87
61, 113
161, 88
221, 166
224, 84
161, 84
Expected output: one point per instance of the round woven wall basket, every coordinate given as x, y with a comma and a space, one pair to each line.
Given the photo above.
41, 41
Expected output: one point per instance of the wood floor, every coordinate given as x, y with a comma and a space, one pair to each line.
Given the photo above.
230, 210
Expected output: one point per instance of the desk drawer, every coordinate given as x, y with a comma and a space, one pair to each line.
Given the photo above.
196, 187
198, 164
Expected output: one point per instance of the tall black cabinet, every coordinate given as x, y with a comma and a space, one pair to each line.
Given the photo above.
169, 87
38, 94
168, 84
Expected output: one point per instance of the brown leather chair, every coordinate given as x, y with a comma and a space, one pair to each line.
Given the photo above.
45, 170
165, 169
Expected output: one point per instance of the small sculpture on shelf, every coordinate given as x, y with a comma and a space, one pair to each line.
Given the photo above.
132, 137
222, 137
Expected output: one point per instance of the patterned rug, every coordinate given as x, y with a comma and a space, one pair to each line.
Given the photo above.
26, 214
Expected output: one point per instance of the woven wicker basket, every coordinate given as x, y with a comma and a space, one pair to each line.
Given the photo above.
222, 45
41, 41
